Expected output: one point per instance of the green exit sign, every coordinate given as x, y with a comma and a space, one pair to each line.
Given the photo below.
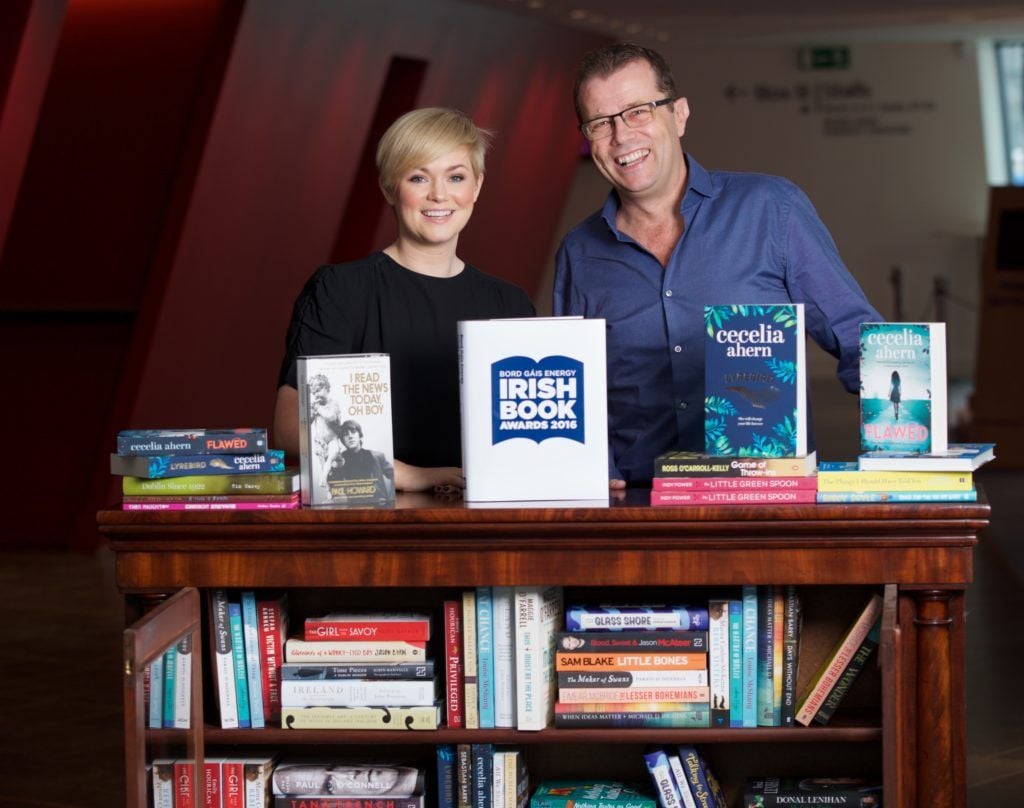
836, 57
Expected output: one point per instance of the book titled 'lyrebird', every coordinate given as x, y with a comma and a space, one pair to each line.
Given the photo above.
534, 409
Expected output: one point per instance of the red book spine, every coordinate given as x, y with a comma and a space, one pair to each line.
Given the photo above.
211, 785
734, 483
453, 662
184, 791
272, 626
232, 784
733, 497
317, 629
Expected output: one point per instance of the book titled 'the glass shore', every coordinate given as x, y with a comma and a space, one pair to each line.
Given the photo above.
903, 387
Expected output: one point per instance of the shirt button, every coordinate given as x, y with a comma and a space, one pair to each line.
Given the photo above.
678, 349
668, 293
683, 405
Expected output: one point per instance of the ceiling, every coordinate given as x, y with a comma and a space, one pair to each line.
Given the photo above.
680, 21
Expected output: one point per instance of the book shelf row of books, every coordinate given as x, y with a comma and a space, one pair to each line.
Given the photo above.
202, 470
518, 658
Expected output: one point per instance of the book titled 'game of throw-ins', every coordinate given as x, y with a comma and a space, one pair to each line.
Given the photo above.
755, 380
534, 409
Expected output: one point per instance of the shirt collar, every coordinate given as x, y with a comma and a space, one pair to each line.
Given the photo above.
698, 181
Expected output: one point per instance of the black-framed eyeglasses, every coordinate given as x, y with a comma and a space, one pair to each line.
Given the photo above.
634, 117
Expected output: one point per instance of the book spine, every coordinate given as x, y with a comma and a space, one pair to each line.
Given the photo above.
464, 771
209, 506
504, 658
836, 662
159, 466
151, 442
447, 783
302, 672
765, 656
184, 784
170, 675
470, 669
633, 679
238, 660
670, 484
483, 774
273, 621
453, 663
679, 776
254, 674
885, 481
661, 775
183, 683
297, 650
485, 655
210, 786
232, 783
498, 779
155, 714
591, 661
357, 693
849, 674
583, 695
670, 719
696, 778
661, 640
718, 466
778, 631
224, 666
718, 661
289, 801
257, 780
277, 483
684, 618
773, 497
790, 648
163, 783
411, 718
538, 612
205, 498
851, 497
415, 629
750, 667
735, 663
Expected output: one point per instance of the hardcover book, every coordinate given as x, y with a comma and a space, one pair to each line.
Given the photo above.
632, 618
840, 476
849, 675
590, 794
663, 640
191, 441
578, 716
357, 693
770, 497
538, 612
411, 718
284, 482
171, 465
534, 409
813, 792
344, 778
903, 387
705, 466
345, 437
370, 626
957, 457
755, 386
299, 650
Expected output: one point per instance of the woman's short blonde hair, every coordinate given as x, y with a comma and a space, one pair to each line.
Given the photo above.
421, 136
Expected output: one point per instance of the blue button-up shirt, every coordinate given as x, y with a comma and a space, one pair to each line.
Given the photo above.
748, 238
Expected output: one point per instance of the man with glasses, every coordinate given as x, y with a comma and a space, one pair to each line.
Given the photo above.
673, 237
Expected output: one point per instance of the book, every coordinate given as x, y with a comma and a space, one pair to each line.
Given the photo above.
297, 649
633, 679
464, 774
483, 774
279, 482
485, 656
661, 640
238, 659
379, 779
632, 618
671, 484
162, 777
258, 771
538, 613
813, 792
185, 772
498, 779
252, 505
962, 457
357, 693
155, 693
170, 675
765, 657
586, 695
375, 626
223, 663
447, 786
698, 465
852, 497
504, 657
470, 668
750, 634
454, 716
253, 658
232, 783
630, 660
576, 716
183, 683
703, 785
791, 623
345, 441
665, 785
903, 387
303, 671
680, 778
210, 784
290, 801
191, 441
628, 707
534, 409
776, 497
822, 682
845, 476
718, 660
849, 675
292, 496
412, 718
778, 629
517, 779
735, 663
272, 614
591, 794
755, 380
158, 466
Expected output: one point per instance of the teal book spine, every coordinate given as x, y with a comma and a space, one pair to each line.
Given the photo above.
238, 658
170, 671
155, 717
765, 657
485, 656
750, 656
735, 663
253, 667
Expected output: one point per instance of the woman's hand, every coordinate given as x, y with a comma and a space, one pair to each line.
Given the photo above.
418, 478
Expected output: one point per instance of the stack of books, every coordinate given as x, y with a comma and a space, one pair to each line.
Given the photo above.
683, 779
691, 478
633, 666
202, 470
230, 780
482, 775
769, 792
348, 784
895, 476
360, 671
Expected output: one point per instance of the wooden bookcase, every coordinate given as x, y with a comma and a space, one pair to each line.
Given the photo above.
904, 720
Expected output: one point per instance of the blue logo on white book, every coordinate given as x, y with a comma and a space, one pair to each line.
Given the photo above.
537, 400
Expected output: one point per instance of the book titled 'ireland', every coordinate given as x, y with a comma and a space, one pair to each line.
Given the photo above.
755, 380
534, 409
903, 387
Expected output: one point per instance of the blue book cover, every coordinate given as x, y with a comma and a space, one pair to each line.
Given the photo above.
636, 618
765, 657
244, 440
755, 381
238, 658
483, 774
735, 663
665, 785
170, 672
253, 665
750, 656
156, 693
156, 467
703, 785
447, 789
903, 387
485, 656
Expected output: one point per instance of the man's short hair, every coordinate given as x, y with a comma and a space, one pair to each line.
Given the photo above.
351, 426
604, 61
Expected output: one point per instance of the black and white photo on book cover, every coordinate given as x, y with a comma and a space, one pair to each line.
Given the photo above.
345, 438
